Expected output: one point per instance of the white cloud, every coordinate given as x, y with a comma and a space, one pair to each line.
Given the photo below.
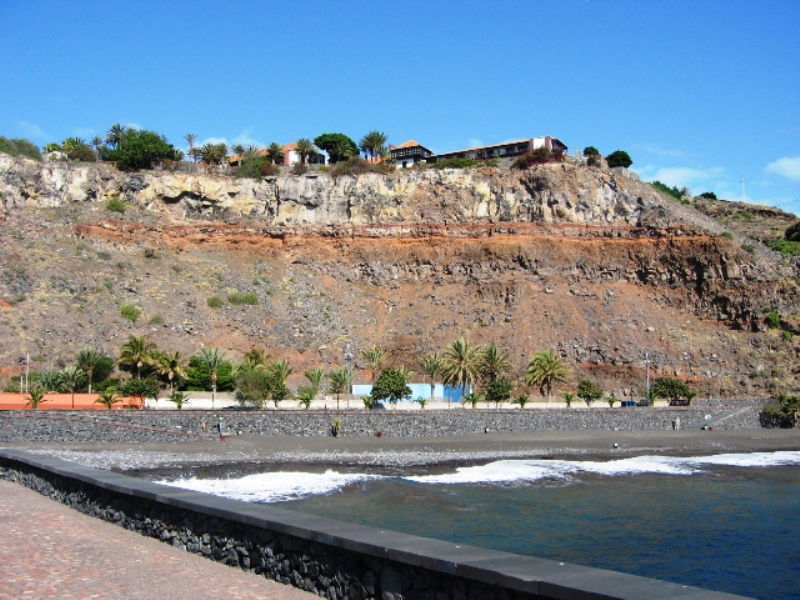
660, 151
788, 166
85, 132
32, 130
245, 140
680, 176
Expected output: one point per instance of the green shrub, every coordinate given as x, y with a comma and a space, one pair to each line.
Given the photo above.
727, 235
239, 298
787, 335
591, 151
20, 147
742, 215
785, 247
130, 312
156, 320
773, 319
708, 195
673, 191
455, 163
299, 169
115, 204
215, 301
749, 248
784, 412
358, 166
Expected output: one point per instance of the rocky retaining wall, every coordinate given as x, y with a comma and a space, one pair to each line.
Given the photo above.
333, 559
152, 426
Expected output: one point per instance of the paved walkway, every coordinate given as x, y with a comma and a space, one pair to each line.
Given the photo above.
50, 551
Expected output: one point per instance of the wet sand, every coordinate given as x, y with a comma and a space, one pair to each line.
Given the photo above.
387, 452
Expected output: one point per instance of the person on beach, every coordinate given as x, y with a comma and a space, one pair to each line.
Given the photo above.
221, 429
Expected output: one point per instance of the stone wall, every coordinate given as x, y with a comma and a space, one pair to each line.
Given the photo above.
333, 559
146, 426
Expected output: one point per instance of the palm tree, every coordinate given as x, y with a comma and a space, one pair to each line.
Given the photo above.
305, 148
432, 367
374, 144
50, 380
315, 377
254, 358
97, 141
115, 134
136, 353
191, 138
212, 359
170, 365
340, 380
179, 398
35, 397
279, 372
305, 395
373, 356
72, 379
495, 363
461, 364
545, 369
275, 153
108, 398
88, 360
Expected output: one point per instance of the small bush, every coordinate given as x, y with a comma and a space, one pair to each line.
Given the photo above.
773, 319
727, 235
358, 166
215, 302
708, 195
299, 169
455, 163
742, 215
787, 335
115, 204
785, 247
673, 191
749, 248
130, 312
156, 320
238, 298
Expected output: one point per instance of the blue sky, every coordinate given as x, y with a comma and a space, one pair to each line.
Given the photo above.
703, 94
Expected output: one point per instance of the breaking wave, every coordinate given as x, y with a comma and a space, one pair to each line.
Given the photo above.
508, 471
278, 486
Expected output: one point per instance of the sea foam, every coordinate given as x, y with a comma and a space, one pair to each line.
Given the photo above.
509, 471
278, 486
275, 486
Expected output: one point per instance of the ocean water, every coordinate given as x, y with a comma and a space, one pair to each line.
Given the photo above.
727, 522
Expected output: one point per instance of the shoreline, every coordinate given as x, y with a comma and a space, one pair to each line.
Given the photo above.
282, 452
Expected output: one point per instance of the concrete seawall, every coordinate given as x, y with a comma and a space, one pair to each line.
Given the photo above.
333, 559
160, 426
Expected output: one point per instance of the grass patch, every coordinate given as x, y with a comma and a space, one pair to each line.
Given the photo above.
215, 302
130, 312
727, 235
115, 204
749, 248
785, 247
156, 320
239, 298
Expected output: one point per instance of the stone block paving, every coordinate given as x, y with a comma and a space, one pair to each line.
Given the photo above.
48, 550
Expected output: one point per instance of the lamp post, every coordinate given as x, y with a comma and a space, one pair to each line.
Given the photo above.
348, 361
647, 377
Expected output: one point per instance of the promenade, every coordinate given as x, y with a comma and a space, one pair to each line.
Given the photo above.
52, 551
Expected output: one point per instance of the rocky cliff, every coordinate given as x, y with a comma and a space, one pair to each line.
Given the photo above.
588, 261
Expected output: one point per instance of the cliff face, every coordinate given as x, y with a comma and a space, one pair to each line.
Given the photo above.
548, 194
586, 261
